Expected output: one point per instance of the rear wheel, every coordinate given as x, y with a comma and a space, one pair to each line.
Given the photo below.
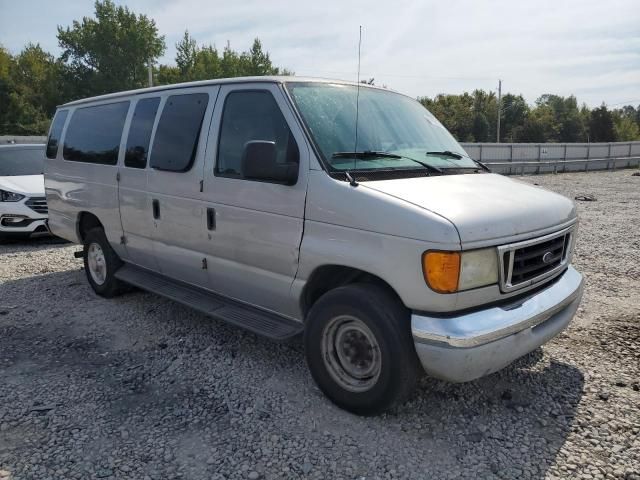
360, 350
101, 263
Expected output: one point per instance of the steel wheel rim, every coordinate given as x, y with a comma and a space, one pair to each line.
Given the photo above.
351, 353
97, 263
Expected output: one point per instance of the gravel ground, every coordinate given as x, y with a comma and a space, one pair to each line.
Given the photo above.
139, 387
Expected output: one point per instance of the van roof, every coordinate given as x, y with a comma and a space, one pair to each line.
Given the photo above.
218, 81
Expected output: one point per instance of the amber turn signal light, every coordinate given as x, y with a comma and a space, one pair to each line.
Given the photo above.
441, 270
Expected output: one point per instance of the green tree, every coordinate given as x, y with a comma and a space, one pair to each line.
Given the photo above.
167, 75
626, 129
514, 115
6, 62
110, 52
207, 64
29, 90
566, 116
455, 112
539, 126
186, 51
257, 62
480, 128
601, 128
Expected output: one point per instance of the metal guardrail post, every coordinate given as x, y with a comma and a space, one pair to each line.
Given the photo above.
539, 157
586, 164
511, 156
564, 157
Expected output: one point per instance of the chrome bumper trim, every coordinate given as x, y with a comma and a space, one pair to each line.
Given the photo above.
485, 326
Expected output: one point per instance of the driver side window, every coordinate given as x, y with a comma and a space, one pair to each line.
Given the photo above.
250, 115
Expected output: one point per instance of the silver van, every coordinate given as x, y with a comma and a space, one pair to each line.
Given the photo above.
343, 212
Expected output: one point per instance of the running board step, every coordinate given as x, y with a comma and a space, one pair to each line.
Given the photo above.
255, 320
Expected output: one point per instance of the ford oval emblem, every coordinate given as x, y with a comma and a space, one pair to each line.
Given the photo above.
547, 257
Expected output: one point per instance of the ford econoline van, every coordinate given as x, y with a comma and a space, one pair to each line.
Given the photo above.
344, 213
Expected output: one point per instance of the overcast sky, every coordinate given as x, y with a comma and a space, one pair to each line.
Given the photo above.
590, 48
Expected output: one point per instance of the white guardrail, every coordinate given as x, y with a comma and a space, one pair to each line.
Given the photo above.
8, 139
533, 158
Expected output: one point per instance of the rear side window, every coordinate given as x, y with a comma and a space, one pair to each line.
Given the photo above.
56, 133
94, 133
251, 115
176, 140
140, 132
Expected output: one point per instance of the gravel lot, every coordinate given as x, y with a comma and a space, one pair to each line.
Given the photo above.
139, 387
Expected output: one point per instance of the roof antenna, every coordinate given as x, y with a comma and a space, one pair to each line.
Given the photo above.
355, 147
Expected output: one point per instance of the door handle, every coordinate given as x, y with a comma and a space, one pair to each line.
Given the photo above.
156, 208
211, 218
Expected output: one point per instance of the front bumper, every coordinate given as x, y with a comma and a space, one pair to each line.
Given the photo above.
472, 345
17, 219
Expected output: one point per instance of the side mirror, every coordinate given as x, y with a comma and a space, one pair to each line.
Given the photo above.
259, 162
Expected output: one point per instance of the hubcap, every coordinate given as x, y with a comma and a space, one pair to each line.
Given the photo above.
97, 263
351, 353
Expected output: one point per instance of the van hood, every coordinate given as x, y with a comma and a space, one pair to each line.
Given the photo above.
483, 207
27, 185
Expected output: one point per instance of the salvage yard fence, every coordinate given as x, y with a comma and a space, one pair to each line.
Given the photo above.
533, 158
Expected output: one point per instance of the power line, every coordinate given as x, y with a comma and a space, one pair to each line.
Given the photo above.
628, 102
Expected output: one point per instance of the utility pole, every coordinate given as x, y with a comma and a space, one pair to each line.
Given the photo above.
150, 74
499, 109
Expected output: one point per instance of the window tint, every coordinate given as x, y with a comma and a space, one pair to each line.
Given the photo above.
140, 132
55, 133
21, 161
176, 139
251, 115
94, 133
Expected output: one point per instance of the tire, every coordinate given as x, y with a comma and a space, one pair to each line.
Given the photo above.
352, 316
102, 279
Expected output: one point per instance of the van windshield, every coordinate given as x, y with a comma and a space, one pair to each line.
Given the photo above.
21, 161
394, 131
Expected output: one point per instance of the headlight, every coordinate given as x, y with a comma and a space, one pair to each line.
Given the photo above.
479, 268
449, 272
10, 196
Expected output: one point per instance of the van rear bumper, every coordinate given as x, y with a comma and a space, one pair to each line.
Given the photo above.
472, 345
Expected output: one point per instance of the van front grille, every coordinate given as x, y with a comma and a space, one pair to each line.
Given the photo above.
526, 263
38, 204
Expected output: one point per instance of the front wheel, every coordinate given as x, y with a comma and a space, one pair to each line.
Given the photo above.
101, 263
360, 350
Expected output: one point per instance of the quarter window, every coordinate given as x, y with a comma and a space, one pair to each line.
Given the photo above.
251, 115
176, 139
94, 133
56, 133
140, 132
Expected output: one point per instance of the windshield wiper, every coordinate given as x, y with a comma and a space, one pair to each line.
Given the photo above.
365, 154
373, 154
447, 153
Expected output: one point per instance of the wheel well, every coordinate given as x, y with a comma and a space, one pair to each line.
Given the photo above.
328, 277
86, 222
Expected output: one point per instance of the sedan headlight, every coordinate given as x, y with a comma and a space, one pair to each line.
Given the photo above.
449, 272
10, 196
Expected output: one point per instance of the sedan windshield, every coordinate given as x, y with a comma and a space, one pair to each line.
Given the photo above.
21, 161
388, 122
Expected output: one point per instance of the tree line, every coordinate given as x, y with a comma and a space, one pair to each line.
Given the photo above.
113, 50
472, 117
